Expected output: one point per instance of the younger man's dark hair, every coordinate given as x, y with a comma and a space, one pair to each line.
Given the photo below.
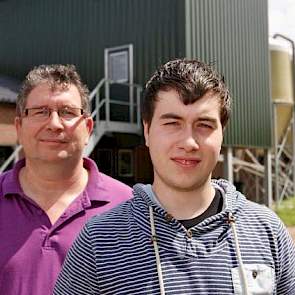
192, 79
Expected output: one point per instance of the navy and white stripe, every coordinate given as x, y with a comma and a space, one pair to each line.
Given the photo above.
114, 253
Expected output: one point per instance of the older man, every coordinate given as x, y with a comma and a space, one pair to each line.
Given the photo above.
48, 196
185, 233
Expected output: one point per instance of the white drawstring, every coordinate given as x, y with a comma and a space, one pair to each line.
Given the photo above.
231, 221
156, 248
242, 271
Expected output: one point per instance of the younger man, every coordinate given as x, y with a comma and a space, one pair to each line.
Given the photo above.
185, 233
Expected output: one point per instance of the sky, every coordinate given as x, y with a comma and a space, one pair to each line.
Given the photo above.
282, 17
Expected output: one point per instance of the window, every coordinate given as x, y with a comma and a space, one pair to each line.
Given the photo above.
125, 163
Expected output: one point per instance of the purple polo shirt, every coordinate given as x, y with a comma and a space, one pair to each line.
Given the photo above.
31, 249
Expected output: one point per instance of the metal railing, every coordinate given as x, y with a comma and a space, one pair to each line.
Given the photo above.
107, 101
11, 158
101, 101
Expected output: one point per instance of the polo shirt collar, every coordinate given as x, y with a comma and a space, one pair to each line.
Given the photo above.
11, 184
96, 183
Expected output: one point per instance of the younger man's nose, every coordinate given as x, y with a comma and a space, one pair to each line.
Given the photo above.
189, 141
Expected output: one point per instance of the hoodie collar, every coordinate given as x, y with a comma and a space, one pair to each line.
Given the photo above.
233, 200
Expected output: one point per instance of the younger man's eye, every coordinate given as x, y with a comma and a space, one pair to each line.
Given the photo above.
171, 123
204, 125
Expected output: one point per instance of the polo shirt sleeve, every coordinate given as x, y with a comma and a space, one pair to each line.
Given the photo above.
78, 275
286, 257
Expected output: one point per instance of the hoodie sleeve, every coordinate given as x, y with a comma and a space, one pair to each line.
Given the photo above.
78, 275
286, 257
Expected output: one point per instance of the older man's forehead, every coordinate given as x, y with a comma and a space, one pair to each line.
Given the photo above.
44, 91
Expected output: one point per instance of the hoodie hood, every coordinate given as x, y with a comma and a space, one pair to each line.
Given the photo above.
214, 230
233, 200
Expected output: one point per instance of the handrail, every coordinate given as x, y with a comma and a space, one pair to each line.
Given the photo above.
134, 85
95, 93
104, 80
106, 102
10, 158
96, 89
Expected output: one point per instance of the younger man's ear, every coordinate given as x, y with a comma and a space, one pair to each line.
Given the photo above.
146, 132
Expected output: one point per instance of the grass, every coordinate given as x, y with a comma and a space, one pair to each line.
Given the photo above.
286, 211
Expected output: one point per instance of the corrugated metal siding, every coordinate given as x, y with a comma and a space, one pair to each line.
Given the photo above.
234, 36
77, 31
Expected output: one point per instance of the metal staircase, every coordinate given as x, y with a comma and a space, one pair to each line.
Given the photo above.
283, 164
102, 112
248, 167
12, 158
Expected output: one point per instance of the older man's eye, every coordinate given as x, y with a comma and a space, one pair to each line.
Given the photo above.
64, 112
69, 113
38, 112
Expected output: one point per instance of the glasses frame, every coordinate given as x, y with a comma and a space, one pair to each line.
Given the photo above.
50, 110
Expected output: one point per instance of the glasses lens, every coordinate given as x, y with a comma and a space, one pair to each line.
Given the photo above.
38, 113
68, 113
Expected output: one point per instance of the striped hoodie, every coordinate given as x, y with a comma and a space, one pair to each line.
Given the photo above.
245, 249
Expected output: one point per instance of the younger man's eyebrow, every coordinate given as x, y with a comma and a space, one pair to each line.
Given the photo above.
177, 117
170, 116
208, 119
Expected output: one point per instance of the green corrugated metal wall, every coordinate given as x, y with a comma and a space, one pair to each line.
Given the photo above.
232, 34
77, 31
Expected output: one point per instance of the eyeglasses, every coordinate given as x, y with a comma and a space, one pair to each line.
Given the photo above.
43, 113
